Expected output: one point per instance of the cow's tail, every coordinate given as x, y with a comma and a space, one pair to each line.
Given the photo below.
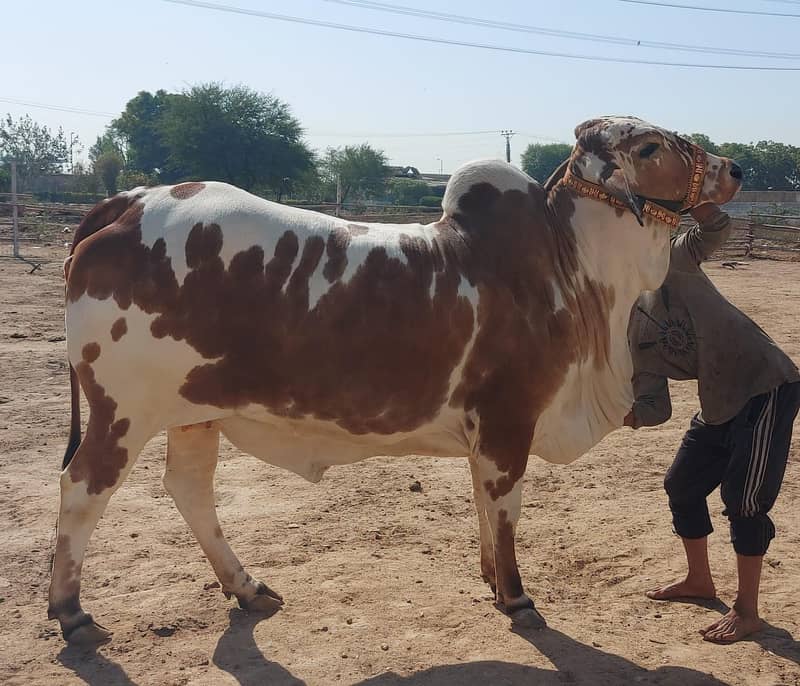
75, 419
100, 216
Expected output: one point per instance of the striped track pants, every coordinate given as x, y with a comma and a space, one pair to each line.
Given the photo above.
745, 457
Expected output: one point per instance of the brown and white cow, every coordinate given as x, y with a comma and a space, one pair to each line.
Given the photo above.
496, 332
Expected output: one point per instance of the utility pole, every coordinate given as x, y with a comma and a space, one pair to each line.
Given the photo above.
14, 209
441, 165
507, 133
72, 140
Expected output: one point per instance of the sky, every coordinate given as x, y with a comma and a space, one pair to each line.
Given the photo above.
348, 88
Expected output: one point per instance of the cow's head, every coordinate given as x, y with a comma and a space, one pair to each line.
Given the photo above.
634, 161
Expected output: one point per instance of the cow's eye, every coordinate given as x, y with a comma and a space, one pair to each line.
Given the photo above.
648, 150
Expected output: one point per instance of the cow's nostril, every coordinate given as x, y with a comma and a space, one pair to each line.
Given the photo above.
736, 171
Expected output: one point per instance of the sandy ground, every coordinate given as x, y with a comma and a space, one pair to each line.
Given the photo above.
382, 583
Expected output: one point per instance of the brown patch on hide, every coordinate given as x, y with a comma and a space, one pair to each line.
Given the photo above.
115, 263
100, 458
119, 329
90, 352
101, 215
184, 191
336, 249
67, 575
373, 355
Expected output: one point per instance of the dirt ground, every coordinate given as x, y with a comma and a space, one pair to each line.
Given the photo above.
382, 583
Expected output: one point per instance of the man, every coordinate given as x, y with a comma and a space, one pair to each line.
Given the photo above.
749, 396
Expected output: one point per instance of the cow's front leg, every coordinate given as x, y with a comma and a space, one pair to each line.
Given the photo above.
487, 540
192, 453
502, 498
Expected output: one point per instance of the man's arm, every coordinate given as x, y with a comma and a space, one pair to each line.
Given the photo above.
652, 405
713, 228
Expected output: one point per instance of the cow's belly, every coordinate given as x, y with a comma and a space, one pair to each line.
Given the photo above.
308, 446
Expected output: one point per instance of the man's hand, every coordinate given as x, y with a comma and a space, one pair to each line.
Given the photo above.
705, 212
629, 420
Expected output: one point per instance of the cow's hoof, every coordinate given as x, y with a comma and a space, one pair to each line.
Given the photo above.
86, 633
265, 600
528, 618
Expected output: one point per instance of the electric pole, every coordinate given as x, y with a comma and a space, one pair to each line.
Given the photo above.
507, 133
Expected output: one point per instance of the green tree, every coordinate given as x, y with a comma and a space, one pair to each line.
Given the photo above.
107, 167
408, 191
237, 135
139, 127
361, 169
36, 149
312, 185
780, 164
85, 180
108, 143
540, 160
704, 142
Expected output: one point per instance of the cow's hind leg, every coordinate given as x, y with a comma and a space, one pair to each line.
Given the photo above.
103, 459
502, 497
189, 478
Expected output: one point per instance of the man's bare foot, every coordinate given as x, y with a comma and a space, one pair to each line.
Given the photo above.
688, 588
734, 626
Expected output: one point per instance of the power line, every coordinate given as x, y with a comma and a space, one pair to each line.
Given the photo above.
58, 108
725, 10
320, 134
333, 134
467, 44
556, 33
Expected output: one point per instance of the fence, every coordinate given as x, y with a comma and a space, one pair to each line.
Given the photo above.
27, 227
764, 236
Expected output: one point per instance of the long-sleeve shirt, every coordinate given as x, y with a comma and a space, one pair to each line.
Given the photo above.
688, 330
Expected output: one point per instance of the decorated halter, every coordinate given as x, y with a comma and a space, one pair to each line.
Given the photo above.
666, 211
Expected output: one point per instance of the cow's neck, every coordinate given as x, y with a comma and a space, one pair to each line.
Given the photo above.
610, 249
610, 246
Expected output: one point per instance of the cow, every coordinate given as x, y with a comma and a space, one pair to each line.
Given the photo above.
495, 333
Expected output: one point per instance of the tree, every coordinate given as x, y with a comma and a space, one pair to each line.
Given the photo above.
108, 167
780, 164
238, 135
361, 169
540, 160
36, 149
108, 143
704, 142
139, 127
408, 191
